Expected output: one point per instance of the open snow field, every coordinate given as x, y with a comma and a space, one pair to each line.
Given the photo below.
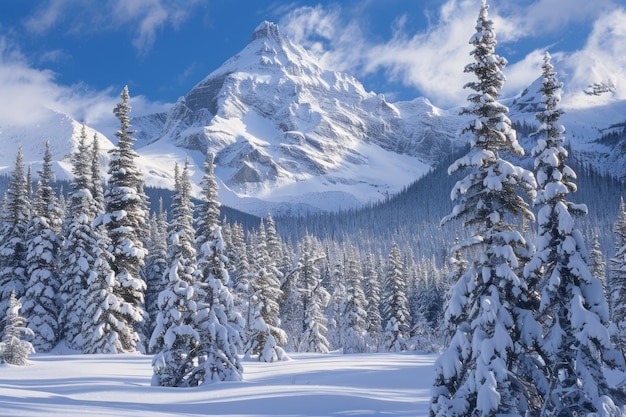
380, 384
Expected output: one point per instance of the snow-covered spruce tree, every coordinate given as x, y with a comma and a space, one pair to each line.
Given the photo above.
274, 244
220, 324
395, 305
14, 349
13, 231
102, 324
97, 183
476, 374
573, 307
352, 322
314, 298
597, 262
125, 218
230, 232
91, 311
102, 331
334, 279
79, 245
241, 281
291, 311
176, 337
617, 278
210, 210
265, 337
39, 303
371, 280
156, 264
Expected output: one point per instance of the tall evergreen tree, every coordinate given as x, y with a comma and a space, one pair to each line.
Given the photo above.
265, 336
39, 304
291, 306
314, 297
573, 306
125, 218
13, 244
241, 284
475, 374
352, 323
372, 292
105, 307
176, 337
222, 326
90, 312
80, 241
97, 186
334, 280
156, 264
395, 305
210, 212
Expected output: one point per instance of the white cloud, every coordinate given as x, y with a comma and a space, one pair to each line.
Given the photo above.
143, 18
523, 73
336, 41
46, 16
28, 92
517, 19
603, 58
432, 60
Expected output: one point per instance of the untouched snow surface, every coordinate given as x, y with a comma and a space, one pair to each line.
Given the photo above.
308, 385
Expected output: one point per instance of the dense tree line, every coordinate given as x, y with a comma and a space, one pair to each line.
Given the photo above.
99, 272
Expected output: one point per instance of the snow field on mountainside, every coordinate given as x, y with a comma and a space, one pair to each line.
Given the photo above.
308, 385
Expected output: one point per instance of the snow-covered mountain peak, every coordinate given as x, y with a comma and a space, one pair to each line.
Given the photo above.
266, 30
286, 130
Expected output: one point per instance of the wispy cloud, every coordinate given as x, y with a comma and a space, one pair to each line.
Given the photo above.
28, 94
432, 60
317, 29
144, 19
603, 58
517, 19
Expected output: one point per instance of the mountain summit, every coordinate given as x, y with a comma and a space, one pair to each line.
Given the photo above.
285, 130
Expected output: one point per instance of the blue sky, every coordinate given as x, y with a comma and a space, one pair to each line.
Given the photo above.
74, 56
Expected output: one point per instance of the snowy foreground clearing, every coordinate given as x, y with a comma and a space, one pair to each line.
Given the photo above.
308, 385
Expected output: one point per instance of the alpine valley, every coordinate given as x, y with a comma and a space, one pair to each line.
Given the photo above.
292, 137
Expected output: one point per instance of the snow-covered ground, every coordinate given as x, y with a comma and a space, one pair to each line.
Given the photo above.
308, 385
